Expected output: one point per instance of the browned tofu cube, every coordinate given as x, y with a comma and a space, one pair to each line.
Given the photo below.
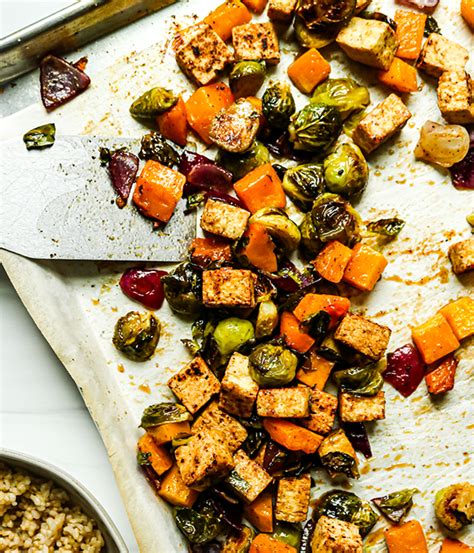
361, 409
194, 385
284, 402
228, 288
293, 496
202, 460
238, 389
248, 479
225, 427
385, 120
281, 10
256, 41
201, 53
440, 54
456, 96
336, 536
228, 221
363, 335
461, 256
322, 409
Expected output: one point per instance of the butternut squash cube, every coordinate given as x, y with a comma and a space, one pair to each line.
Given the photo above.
364, 268
460, 316
173, 490
434, 339
309, 70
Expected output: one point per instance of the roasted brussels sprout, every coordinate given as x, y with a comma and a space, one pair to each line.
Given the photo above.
361, 381
325, 13
315, 128
303, 184
345, 94
231, 334
155, 146
136, 335
272, 365
345, 171
200, 524
313, 38
238, 541
351, 123
246, 78
338, 456
279, 226
335, 219
309, 236
40, 137
152, 103
386, 227
163, 413
278, 105
183, 289
396, 505
241, 164
267, 319
348, 507
288, 533
454, 506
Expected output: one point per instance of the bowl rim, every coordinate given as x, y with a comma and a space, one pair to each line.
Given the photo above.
66, 480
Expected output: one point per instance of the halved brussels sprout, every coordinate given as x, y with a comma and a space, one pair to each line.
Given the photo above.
239, 542
325, 13
361, 381
155, 146
345, 171
40, 137
246, 78
200, 524
309, 236
163, 413
348, 507
345, 94
241, 164
313, 38
182, 289
454, 506
396, 505
288, 533
315, 128
152, 103
231, 334
333, 218
272, 365
136, 335
267, 319
278, 105
303, 184
279, 226
338, 456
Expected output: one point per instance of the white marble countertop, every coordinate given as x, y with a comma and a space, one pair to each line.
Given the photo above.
42, 412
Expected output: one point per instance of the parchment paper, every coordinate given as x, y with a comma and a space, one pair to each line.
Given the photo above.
423, 442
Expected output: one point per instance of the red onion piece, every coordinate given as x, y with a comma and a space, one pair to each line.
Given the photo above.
405, 369
144, 286
427, 6
123, 168
211, 175
189, 160
462, 173
60, 82
357, 435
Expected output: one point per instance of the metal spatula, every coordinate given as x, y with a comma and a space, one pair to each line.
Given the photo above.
58, 203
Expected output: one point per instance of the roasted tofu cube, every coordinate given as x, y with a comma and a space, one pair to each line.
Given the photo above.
369, 41
361, 409
194, 385
281, 10
238, 389
256, 41
292, 500
284, 402
456, 96
336, 536
201, 53
235, 128
228, 288
322, 409
338, 456
363, 335
440, 54
228, 221
461, 256
248, 479
203, 459
385, 120
225, 427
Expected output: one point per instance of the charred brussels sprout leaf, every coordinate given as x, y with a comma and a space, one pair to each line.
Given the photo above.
345, 94
325, 13
152, 103
303, 184
156, 147
267, 319
332, 218
231, 334
40, 137
278, 105
431, 26
241, 164
337, 462
136, 335
309, 236
183, 289
318, 325
348, 507
313, 38
345, 171
143, 459
315, 128
246, 78
361, 381
163, 413
395, 505
386, 227
288, 533
199, 525
279, 226
454, 506
239, 541
272, 365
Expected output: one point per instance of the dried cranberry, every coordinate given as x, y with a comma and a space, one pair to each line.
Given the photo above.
144, 286
405, 369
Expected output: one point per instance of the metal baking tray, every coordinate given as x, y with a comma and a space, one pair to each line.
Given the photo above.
68, 29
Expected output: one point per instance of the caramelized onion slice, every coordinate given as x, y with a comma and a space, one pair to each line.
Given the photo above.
60, 81
443, 145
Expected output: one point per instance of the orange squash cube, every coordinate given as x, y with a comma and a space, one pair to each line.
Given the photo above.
311, 304
259, 249
410, 29
441, 379
166, 432
364, 268
401, 76
406, 538
174, 490
318, 374
227, 16
455, 546
261, 188
263, 543
307, 71
332, 261
460, 316
158, 456
434, 339
260, 512
293, 335
158, 191
173, 124
256, 6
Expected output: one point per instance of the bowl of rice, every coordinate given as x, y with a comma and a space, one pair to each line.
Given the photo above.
44, 509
